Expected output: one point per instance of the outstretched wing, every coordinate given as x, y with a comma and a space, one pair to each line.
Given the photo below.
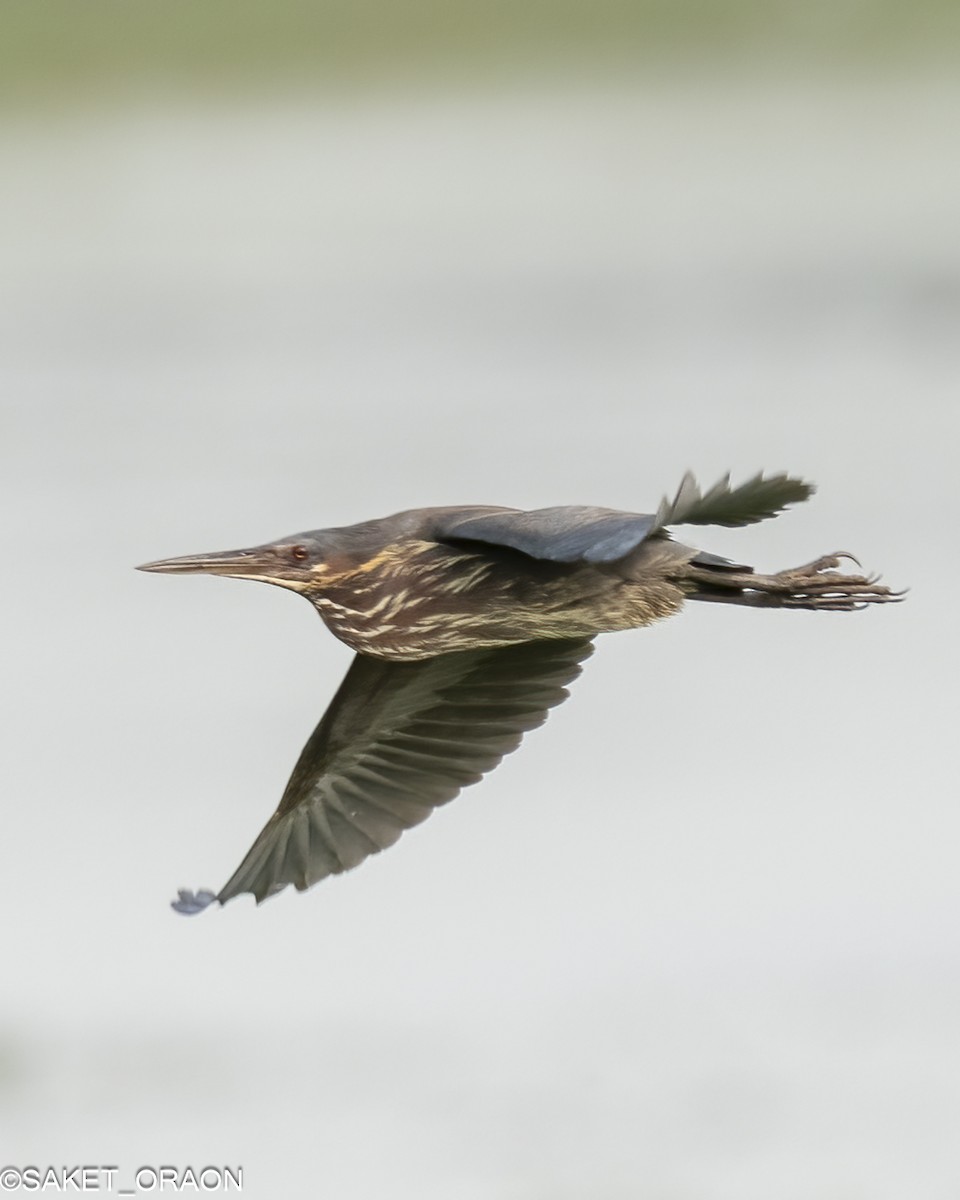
601, 535
398, 739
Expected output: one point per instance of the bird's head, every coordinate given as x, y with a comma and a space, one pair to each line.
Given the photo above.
300, 563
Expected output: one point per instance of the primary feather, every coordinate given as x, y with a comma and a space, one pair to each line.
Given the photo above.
398, 740
755, 500
579, 533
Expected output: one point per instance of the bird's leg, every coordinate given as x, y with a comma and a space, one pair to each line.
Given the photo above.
816, 585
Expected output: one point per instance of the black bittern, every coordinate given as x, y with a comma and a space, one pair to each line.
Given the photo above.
467, 624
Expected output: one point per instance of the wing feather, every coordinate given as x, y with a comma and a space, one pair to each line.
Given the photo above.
398, 740
755, 500
572, 533
578, 533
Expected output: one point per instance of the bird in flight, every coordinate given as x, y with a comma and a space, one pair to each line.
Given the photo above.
468, 623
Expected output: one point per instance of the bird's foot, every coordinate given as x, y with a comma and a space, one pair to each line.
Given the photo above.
821, 585
190, 903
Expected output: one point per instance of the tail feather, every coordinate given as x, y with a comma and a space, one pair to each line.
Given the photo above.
752, 501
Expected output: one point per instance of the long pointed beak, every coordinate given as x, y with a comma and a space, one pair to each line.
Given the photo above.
224, 562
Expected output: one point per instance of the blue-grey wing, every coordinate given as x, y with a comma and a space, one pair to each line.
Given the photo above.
574, 533
578, 533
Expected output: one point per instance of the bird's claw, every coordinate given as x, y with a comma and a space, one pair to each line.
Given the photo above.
826, 564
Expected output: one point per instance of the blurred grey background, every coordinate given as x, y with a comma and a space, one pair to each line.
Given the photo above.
277, 267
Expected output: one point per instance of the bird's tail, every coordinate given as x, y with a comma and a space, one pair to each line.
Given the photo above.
816, 585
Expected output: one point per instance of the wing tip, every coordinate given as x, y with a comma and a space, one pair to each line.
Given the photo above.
758, 498
188, 903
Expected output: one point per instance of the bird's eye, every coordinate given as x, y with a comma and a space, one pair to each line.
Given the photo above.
299, 553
